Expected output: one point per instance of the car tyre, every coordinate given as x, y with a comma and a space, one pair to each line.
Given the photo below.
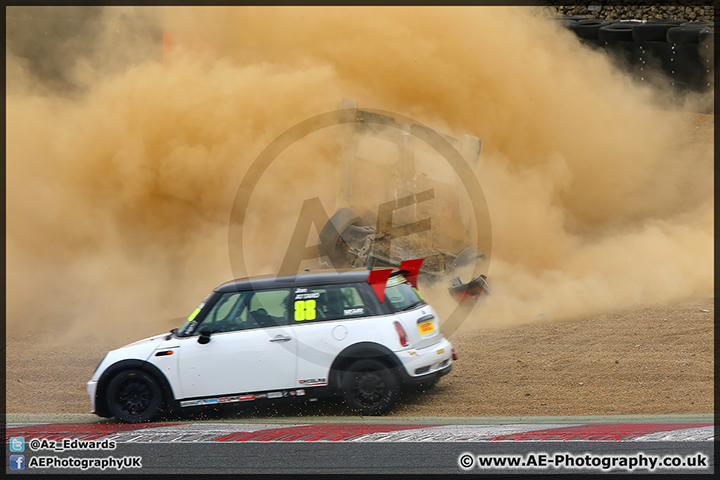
620, 32
653, 31
134, 396
685, 33
369, 387
588, 29
330, 237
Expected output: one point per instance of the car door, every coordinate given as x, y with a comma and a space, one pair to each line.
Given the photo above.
251, 349
326, 323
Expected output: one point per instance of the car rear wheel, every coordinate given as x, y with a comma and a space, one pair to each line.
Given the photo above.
134, 396
369, 387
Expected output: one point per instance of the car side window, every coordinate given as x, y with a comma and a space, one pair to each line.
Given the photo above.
247, 310
227, 314
327, 303
224, 307
269, 308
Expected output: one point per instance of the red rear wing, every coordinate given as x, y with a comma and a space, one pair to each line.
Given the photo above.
412, 267
378, 278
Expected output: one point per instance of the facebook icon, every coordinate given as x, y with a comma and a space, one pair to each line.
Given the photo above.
17, 462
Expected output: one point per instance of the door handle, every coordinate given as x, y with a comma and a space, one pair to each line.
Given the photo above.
281, 338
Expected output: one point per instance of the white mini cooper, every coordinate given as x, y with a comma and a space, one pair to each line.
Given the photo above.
361, 334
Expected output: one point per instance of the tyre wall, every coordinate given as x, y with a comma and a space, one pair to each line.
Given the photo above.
670, 44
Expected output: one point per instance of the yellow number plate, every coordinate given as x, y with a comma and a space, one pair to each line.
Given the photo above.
426, 327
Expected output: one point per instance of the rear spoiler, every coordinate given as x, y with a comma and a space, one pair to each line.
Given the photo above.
378, 278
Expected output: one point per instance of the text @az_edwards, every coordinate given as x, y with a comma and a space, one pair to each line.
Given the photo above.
70, 444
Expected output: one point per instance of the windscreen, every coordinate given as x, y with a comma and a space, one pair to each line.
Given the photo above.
402, 295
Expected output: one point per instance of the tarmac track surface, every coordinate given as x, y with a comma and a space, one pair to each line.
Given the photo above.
380, 445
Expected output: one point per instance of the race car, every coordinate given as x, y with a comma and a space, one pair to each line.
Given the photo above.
362, 334
398, 198
346, 241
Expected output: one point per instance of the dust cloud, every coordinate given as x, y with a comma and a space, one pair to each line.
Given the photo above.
123, 160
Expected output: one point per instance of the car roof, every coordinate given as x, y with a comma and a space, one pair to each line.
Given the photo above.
328, 277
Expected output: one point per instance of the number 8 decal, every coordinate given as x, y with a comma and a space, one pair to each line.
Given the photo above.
304, 310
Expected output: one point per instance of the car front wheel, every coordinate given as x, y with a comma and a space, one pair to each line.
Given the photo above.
369, 387
134, 396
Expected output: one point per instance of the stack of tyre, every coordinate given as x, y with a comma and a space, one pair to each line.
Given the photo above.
681, 51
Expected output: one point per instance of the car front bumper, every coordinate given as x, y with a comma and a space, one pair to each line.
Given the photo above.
91, 389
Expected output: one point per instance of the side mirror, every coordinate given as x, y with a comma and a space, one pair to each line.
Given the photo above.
172, 332
204, 335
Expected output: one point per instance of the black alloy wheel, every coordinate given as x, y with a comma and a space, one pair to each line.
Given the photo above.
369, 387
134, 396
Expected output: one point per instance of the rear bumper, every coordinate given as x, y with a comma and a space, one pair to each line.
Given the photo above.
426, 364
407, 380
